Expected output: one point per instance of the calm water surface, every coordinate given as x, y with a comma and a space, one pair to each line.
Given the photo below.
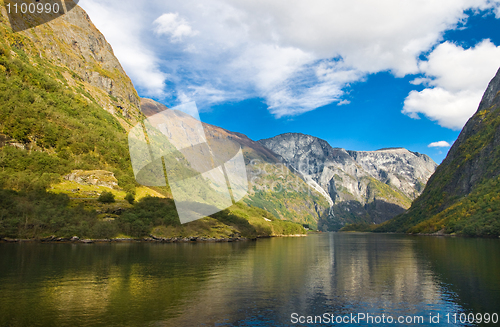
247, 283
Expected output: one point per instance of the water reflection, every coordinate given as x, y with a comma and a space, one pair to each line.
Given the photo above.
246, 283
468, 269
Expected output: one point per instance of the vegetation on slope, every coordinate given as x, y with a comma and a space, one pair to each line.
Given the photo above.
55, 129
378, 190
289, 205
462, 195
39, 214
284, 194
47, 130
474, 215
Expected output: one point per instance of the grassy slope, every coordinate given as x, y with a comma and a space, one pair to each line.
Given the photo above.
58, 129
379, 190
276, 189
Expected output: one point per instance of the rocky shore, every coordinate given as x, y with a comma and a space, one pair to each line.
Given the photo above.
151, 238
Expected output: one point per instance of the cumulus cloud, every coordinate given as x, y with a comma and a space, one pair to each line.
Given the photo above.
440, 144
449, 109
297, 55
456, 79
171, 24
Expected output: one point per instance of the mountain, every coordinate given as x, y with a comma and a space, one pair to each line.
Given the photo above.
65, 103
361, 186
66, 107
272, 185
83, 59
462, 197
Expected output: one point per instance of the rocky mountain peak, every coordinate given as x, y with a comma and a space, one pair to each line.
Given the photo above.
354, 180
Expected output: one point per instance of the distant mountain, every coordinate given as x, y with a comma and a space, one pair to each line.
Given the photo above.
273, 186
252, 149
361, 186
462, 196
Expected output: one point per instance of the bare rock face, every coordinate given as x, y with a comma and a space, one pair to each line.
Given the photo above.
405, 170
85, 62
93, 177
370, 186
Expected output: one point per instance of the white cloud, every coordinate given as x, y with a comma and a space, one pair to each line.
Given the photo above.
450, 110
171, 24
297, 55
456, 69
440, 144
456, 80
312, 87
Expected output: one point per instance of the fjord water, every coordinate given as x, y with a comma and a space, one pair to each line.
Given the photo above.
254, 283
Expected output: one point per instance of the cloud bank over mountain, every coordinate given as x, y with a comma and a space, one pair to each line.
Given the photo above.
300, 55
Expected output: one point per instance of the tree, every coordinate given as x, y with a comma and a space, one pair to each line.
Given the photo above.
130, 198
106, 197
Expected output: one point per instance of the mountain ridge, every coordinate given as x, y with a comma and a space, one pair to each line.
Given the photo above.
265, 171
358, 189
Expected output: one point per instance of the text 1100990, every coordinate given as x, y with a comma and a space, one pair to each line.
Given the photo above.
31, 8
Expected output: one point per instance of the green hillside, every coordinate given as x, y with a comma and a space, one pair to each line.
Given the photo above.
463, 195
52, 129
51, 126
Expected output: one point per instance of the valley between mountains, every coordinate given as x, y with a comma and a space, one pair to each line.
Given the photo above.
67, 105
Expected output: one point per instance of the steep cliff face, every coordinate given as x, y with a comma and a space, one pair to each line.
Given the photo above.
362, 186
462, 195
85, 60
405, 170
65, 103
273, 186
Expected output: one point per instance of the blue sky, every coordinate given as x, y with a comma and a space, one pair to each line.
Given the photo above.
360, 74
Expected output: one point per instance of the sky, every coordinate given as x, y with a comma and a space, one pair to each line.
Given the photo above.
360, 74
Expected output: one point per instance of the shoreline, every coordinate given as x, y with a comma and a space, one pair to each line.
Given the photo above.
148, 239
156, 239
423, 234
62, 240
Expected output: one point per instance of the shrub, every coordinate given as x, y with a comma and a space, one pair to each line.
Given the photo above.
106, 197
104, 230
130, 198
